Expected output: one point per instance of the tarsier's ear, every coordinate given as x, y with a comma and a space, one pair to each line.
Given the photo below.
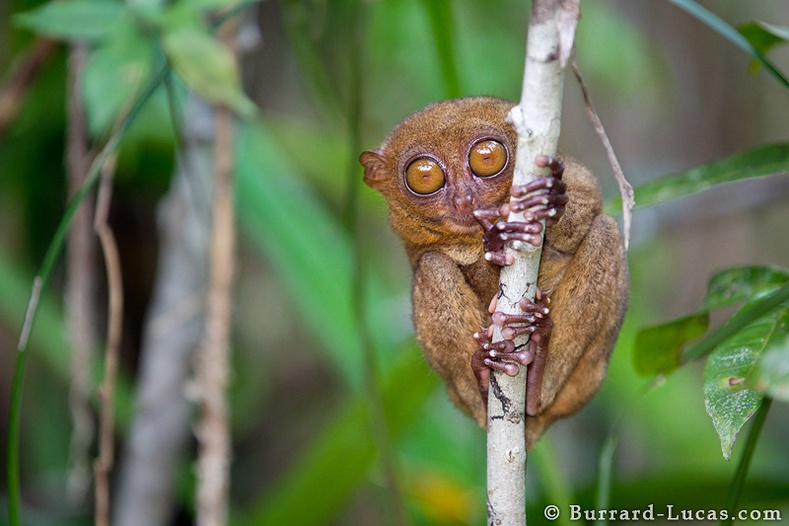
375, 169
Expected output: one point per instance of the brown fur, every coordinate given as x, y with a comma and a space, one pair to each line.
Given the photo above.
582, 260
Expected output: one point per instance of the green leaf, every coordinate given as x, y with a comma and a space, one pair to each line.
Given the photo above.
657, 349
113, 75
727, 398
442, 24
207, 66
763, 37
210, 5
771, 374
760, 37
759, 162
757, 308
730, 34
781, 32
740, 284
298, 234
76, 20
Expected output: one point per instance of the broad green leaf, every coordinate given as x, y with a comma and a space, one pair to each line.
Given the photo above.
756, 309
442, 25
209, 5
657, 349
759, 162
771, 374
728, 399
763, 37
207, 66
740, 284
146, 8
115, 72
76, 20
320, 154
731, 34
781, 32
303, 241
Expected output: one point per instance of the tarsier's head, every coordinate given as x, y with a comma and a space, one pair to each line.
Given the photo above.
442, 163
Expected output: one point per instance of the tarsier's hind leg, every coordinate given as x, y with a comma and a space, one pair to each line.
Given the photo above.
590, 301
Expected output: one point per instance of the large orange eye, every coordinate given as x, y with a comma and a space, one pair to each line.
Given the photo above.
487, 158
424, 176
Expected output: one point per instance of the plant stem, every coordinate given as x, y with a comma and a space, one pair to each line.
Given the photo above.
13, 437
212, 368
745, 460
536, 120
80, 285
40, 283
605, 466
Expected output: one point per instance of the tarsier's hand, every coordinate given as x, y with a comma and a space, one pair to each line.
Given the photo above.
505, 356
543, 198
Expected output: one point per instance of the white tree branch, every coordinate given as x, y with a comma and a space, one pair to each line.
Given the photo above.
537, 121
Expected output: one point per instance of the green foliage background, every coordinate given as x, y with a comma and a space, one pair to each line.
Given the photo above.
672, 94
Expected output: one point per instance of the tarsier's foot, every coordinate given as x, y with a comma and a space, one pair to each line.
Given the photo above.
543, 198
501, 356
505, 356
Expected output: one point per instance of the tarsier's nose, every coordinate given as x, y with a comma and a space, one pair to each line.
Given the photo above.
464, 201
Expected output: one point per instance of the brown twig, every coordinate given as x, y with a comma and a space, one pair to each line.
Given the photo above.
104, 462
16, 88
212, 433
625, 189
212, 363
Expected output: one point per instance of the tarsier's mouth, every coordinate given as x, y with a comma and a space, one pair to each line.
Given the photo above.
465, 223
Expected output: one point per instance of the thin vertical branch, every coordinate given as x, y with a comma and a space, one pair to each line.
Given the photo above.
39, 284
213, 433
16, 86
537, 121
625, 188
80, 284
159, 435
212, 365
103, 464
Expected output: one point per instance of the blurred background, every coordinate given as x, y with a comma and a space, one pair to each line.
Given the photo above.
309, 443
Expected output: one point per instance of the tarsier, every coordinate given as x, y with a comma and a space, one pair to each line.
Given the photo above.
446, 173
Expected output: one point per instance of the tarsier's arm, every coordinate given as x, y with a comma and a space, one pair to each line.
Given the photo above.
583, 261
446, 313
